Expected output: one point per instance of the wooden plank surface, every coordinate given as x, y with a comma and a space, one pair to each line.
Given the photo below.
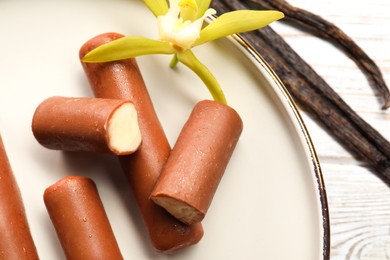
359, 202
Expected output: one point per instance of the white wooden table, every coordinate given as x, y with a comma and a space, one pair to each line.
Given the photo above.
359, 202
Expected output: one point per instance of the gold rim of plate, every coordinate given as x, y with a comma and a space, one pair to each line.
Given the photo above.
256, 56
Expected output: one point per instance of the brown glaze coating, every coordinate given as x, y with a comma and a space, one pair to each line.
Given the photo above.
80, 220
15, 237
78, 124
198, 160
123, 80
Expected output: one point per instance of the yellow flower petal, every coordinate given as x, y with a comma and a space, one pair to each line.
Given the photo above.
203, 5
188, 10
237, 22
158, 7
128, 47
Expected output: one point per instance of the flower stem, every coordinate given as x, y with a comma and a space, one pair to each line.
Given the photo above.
174, 61
189, 59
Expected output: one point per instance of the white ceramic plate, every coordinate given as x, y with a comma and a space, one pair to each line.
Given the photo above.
271, 202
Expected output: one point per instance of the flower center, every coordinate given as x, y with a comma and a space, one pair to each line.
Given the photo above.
178, 26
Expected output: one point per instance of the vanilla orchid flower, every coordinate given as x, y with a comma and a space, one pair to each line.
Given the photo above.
180, 27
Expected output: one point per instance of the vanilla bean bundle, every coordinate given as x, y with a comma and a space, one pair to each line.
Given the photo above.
314, 95
329, 31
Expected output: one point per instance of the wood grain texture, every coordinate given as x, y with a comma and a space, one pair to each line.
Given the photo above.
359, 202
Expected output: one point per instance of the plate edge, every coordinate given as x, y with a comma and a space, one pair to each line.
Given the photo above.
239, 41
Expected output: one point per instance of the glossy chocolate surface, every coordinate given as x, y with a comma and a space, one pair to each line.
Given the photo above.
123, 80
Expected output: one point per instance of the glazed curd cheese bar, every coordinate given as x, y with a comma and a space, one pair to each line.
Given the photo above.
198, 161
16, 241
123, 80
80, 221
87, 124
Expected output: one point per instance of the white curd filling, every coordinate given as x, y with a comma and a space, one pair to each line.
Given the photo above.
124, 135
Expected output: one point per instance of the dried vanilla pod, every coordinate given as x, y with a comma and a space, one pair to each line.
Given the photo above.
315, 96
329, 31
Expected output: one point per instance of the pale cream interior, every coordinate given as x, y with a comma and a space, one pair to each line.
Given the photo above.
124, 136
179, 210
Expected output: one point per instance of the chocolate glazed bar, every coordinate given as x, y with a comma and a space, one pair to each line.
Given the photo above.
198, 161
15, 237
80, 220
123, 80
